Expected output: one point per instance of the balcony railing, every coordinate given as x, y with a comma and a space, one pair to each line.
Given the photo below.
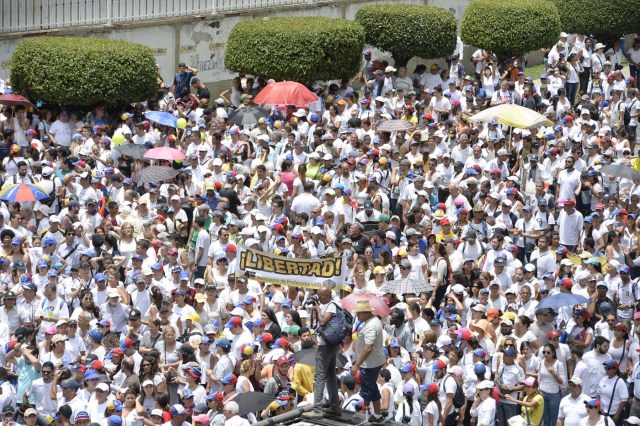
17, 16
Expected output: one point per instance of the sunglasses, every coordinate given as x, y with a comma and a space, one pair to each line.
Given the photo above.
590, 407
547, 352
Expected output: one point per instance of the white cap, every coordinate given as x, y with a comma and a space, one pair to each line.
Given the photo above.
389, 68
156, 412
251, 242
44, 209
485, 384
175, 198
443, 341
458, 288
479, 308
217, 162
247, 231
103, 387
113, 292
316, 230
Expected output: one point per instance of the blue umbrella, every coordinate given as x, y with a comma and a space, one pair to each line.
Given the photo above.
162, 118
561, 300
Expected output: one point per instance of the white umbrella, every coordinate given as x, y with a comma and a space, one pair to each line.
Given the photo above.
512, 115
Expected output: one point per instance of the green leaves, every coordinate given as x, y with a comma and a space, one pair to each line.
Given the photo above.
509, 28
80, 72
301, 49
409, 30
605, 19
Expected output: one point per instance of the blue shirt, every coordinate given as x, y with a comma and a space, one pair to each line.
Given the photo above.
28, 374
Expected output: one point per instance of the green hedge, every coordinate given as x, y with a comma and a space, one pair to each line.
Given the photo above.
509, 28
83, 71
406, 30
606, 19
301, 49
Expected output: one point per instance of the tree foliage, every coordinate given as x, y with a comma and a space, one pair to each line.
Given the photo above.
301, 49
605, 19
83, 71
407, 30
509, 28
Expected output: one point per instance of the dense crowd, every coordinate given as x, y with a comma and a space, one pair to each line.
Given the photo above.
123, 302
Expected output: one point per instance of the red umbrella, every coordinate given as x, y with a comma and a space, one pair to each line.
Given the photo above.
285, 93
379, 306
165, 153
14, 100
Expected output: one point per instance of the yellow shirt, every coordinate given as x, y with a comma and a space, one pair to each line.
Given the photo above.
302, 379
535, 414
441, 236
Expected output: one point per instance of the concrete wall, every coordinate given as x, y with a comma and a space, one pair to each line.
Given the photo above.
200, 41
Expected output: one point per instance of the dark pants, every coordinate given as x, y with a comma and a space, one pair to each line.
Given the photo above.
572, 90
326, 373
633, 133
393, 203
200, 272
368, 384
584, 79
572, 249
504, 412
635, 73
452, 419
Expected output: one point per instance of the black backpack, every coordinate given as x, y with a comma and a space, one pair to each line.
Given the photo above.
627, 113
458, 397
339, 326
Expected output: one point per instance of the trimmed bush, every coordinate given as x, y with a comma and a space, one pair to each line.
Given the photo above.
509, 28
407, 30
605, 19
83, 71
300, 49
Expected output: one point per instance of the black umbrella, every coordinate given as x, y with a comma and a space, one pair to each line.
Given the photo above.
250, 402
308, 357
247, 115
132, 150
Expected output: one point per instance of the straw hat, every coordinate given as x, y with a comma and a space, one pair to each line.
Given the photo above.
484, 326
363, 306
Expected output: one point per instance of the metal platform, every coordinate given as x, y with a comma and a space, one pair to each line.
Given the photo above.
345, 419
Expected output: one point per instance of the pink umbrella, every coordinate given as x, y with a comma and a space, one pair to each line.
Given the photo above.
13, 100
165, 153
285, 93
377, 303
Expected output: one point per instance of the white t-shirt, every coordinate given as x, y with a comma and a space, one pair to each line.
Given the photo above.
573, 410
62, 132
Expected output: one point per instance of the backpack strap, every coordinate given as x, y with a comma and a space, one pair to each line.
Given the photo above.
608, 413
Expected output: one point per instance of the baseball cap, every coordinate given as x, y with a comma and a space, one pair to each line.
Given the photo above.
229, 379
